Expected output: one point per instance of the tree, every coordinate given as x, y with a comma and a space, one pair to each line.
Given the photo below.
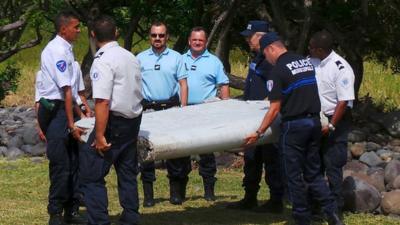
15, 17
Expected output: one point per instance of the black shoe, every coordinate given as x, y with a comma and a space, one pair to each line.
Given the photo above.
271, 206
182, 188
209, 192
148, 194
175, 193
247, 203
333, 219
75, 218
56, 219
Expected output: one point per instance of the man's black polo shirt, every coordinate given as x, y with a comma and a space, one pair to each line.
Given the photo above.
293, 82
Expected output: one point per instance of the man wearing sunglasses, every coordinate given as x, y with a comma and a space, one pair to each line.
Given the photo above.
164, 86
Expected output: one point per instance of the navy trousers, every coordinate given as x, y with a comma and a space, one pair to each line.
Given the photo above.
300, 144
334, 155
63, 160
255, 159
122, 134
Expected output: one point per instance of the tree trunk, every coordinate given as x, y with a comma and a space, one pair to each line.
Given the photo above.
224, 46
306, 27
133, 25
180, 43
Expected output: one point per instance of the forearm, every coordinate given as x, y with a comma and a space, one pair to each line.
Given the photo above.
101, 109
183, 91
224, 92
69, 106
270, 116
85, 102
339, 112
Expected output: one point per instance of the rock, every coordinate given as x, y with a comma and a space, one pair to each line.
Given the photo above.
379, 184
396, 183
356, 167
379, 139
391, 202
371, 159
384, 154
356, 136
396, 156
30, 135
26, 148
374, 127
377, 178
391, 123
3, 151
16, 141
371, 146
357, 149
349, 155
395, 142
392, 170
38, 150
396, 148
359, 196
14, 153
37, 160
8, 122
3, 137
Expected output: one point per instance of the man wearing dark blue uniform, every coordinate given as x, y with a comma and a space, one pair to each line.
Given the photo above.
164, 86
294, 93
115, 75
55, 117
267, 155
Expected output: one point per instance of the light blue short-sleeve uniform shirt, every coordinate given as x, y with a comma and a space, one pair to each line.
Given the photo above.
161, 73
205, 74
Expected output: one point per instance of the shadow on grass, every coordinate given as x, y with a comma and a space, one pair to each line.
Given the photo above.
208, 215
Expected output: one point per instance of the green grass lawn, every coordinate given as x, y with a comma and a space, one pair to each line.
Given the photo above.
24, 187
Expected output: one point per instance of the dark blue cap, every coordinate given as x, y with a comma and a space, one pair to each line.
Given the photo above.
255, 26
268, 39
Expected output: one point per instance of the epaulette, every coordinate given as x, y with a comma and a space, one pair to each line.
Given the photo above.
339, 65
98, 55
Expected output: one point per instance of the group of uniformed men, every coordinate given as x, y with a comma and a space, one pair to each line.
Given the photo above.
159, 78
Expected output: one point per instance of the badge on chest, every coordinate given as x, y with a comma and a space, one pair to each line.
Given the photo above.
193, 67
157, 67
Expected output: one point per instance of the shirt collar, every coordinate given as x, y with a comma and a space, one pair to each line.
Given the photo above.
64, 42
328, 58
165, 52
206, 53
110, 44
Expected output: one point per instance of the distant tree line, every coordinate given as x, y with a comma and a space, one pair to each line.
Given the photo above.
363, 29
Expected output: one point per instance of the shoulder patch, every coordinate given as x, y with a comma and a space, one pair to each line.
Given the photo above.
61, 65
339, 65
94, 76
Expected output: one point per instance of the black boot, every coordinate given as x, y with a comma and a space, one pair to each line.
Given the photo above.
148, 193
333, 219
248, 202
56, 219
74, 217
209, 192
175, 193
271, 206
182, 188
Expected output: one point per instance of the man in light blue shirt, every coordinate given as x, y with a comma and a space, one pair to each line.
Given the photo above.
205, 76
164, 86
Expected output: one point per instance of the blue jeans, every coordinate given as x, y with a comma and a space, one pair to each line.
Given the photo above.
122, 134
300, 144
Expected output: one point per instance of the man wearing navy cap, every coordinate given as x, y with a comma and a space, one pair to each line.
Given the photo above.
294, 93
255, 157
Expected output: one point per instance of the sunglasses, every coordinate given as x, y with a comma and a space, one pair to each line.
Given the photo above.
159, 35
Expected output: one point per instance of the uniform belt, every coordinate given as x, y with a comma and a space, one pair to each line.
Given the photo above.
163, 104
301, 116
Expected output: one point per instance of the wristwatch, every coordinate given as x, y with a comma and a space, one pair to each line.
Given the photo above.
71, 130
331, 127
259, 134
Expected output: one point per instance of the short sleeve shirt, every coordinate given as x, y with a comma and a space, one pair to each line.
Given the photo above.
161, 73
335, 79
205, 74
115, 75
57, 67
77, 83
293, 82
